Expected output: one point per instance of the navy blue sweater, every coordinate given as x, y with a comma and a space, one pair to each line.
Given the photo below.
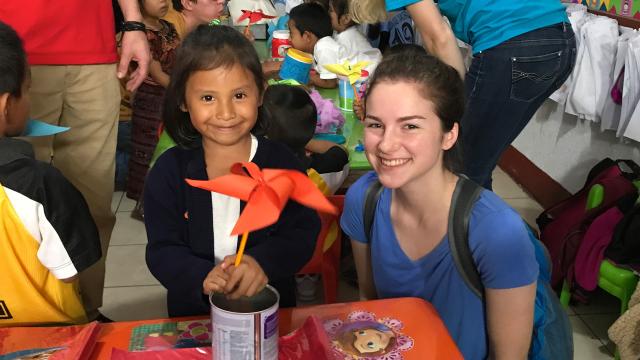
180, 248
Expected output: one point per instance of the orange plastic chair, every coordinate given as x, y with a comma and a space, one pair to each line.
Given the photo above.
326, 257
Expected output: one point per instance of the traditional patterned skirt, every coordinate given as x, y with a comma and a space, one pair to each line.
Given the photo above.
145, 121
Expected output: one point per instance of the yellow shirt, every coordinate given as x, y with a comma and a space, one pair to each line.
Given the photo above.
29, 293
176, 18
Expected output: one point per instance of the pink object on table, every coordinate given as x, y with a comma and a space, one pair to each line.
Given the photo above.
330, 117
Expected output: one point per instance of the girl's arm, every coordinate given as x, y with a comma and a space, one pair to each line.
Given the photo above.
290, 244
169, 257
362, 259
509, 321
159, 76
436, 34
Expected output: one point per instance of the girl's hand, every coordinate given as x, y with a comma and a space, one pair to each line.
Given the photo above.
217, 278
245, 280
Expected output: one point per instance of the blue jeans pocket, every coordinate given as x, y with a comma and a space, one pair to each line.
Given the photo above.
532, 76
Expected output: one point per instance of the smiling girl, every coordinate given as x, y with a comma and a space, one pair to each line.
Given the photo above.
411, 141
211, 106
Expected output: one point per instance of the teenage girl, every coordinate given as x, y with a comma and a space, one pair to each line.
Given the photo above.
211, 106
147, 101
410, 141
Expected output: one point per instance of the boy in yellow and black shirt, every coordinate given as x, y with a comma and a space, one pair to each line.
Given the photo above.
47, 235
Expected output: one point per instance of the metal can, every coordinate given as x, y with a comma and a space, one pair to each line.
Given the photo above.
281, 42
246, 328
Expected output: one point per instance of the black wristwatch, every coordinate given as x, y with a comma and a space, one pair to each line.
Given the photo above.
133, 26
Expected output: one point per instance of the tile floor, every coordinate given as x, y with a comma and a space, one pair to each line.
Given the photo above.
131, 292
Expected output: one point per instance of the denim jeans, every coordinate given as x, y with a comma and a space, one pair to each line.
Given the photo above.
505, 86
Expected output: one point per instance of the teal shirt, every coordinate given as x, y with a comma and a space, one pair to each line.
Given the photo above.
486, 23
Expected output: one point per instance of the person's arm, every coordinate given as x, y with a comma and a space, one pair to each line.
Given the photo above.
362, 260
321, 146
169, 256
134, 47
290, 244
316, 80
510, 321
158, 75
436, 34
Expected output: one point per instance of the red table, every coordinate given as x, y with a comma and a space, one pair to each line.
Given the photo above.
419, 331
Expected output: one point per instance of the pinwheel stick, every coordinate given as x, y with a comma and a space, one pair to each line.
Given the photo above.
247, 29
243, 243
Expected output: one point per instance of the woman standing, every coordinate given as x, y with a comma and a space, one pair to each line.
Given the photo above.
522, 52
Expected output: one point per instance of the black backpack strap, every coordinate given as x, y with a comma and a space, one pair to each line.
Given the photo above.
464, 197
370, 203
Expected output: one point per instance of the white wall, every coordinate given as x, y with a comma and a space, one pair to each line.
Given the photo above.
566, 148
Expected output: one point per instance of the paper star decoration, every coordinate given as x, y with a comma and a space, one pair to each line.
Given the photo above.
352, 71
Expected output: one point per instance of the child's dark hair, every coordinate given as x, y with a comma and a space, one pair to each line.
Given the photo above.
289, 116
177, 4
312, 17
440, 83
205, 48
341, 7
13, 61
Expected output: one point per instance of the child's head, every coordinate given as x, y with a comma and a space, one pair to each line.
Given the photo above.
15, 80
202, 11
407, 136
154, 8
340, 17
215, 90
289, 116
308, 23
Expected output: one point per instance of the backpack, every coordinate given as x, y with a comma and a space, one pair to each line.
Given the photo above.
552, 336
625, 246
564, 225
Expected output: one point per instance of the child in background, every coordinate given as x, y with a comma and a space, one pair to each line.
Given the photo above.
289, 116
147, 101
47, 235
349, 36
185, 15
211, 106
311, 32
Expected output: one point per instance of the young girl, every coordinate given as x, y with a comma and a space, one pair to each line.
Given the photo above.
147, 102
348, 35
410, 140
211, 106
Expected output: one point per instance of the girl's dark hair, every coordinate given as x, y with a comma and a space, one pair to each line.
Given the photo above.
13, 62
312, 17
341, 7
205, 48
440, 83
289, 115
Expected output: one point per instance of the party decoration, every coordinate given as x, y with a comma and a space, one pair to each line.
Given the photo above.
290, 82
352, 71
266, 193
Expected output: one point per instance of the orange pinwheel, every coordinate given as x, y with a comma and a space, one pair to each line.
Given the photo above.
266, 193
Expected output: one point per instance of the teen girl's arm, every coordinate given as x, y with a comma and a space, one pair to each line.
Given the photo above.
510, 321
169, 256
436, 34
508, 268
362, 260
135, 47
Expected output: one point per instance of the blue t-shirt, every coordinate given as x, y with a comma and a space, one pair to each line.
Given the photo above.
500, 246
486, 23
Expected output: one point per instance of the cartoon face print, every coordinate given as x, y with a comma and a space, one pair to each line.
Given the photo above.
371, 340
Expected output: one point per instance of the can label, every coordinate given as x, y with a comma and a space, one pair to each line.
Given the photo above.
279, 48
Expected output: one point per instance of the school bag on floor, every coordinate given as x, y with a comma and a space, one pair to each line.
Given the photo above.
563, 226
552, 337
624, 249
